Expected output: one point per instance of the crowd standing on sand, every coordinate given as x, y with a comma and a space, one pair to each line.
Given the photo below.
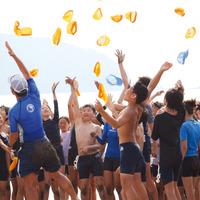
151, 153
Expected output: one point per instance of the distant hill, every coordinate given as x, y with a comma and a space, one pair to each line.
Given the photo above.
54, 63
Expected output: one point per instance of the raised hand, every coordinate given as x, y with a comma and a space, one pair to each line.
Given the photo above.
54, 86
120, 56
166, 66
98, 106
10, 51
70, 81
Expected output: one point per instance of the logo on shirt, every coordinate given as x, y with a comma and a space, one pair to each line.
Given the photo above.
30, 108
121, 148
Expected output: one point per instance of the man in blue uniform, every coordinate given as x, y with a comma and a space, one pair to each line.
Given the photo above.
36, 151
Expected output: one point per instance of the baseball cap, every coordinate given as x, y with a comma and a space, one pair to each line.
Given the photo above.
113, 80
18, 83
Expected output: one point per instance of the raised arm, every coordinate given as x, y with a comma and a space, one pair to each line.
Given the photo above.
155, 95
70, 111
21, 66
124, 76
56, 112
77, 113
154, 82
115, 123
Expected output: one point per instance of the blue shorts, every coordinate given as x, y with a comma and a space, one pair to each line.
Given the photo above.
90, 164
36, 154
130, 158
111, 164
169, 174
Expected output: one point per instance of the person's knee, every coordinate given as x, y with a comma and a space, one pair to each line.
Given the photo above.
109, 190
56, 193
100, 187
46, 187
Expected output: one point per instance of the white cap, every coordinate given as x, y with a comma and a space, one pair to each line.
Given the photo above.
18, 83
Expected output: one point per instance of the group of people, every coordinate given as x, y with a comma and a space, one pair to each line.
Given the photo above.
142, 149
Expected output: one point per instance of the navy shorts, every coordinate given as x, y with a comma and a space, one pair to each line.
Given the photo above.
111, 164
130, 158
90, 164
190, 166
169, 174
147, 149
143, 170
36, 154
3, 172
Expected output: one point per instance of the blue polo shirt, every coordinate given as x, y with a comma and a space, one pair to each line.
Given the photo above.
27, 113
190, 131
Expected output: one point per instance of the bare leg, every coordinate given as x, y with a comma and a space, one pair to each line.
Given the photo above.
3, 189
8, 190
30, 182
84, 187
47, 184
151, 187
178, 196
189, 187
14, 186
117, 184
64, 182
127, 186
170, 191
56, 193
62, 192
99, 181
20, 191
109, 184
93, 188
139, 187
74, 177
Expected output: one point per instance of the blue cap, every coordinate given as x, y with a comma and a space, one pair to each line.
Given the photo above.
182, 56
113, 80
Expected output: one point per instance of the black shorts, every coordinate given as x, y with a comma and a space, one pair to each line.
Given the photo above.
60, 153
190, 166
130, 158
41, 175
111, 164
154, 170
73, 152
143, 170
169, 174
3, 171
147, 149
90, 164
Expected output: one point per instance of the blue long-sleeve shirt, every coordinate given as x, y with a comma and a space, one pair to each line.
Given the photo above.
111, 135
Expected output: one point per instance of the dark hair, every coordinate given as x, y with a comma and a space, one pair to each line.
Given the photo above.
6, 109
158, 104
145, 80
66, 118
144, 117
141, 91
22, 93
89, 106
190, 105
174, 98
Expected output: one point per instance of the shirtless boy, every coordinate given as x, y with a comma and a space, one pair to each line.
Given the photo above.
126, 124
88, 147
